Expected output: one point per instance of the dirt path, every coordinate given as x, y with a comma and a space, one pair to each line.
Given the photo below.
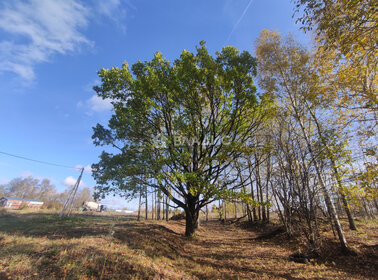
233, 252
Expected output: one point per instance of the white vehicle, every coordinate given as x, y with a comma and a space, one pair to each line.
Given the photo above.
93, 206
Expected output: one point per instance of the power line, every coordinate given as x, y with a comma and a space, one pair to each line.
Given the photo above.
39, 161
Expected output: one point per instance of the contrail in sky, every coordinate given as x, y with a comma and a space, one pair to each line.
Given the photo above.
239, 20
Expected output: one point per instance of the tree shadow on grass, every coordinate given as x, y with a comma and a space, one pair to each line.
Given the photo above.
155, 240
54, 227
73, 263
365, 264
161, 239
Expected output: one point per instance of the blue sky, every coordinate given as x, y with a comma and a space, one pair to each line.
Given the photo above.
50, 51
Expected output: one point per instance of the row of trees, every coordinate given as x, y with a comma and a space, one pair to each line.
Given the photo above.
197, 130
33, 188
155, 203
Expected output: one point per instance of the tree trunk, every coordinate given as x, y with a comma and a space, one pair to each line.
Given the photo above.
207, 213
268, 180
280, 215
225, 209
140, 202
191, 223
152, 205
364, 204
158, 210
236, 211
331, 208
249, 213
166, 208
262, 206
375, 204
352, 224
252, 192
191, 216
267, 200
259, 207
327, 198
259, 189
246, 205
163, 206
146, 204
254, 212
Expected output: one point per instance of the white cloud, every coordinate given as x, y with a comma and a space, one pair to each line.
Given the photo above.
114, 10
71, 181
97, 104
108, 8
38, 29
87, 168
35, 30
94, 104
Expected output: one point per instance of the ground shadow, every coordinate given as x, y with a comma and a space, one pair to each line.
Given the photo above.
157, 239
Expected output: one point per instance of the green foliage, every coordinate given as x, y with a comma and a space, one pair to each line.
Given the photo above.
169, 121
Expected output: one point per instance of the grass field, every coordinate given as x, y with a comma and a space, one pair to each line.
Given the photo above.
43, 246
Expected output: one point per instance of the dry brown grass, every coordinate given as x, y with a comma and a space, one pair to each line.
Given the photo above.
42, 246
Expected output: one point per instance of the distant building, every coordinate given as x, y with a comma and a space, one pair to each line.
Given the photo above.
16, 203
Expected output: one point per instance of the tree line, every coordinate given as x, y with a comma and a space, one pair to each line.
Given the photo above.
43, 190
289, 129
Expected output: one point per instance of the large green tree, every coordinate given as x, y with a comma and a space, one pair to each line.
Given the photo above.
178, 127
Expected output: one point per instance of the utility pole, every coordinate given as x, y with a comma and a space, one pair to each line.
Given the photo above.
71, 196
